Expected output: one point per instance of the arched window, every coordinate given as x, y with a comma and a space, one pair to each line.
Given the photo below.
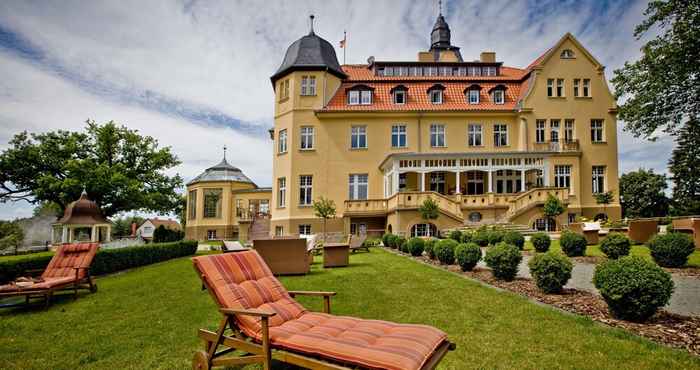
399, 94
359, 95
567, 54
436, 93
498, 94
472, 93
423, 230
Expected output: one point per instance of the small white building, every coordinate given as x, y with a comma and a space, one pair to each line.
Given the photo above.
145, 231
82, 221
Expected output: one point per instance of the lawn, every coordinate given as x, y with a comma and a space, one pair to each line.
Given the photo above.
21, 256
637, 250
147, 318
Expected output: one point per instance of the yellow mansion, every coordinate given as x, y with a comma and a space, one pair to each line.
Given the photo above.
487, 142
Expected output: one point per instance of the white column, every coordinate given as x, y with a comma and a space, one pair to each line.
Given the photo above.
490, 181
545, 174
422, 181
53, 234
64, 234
457, 182
395, 181
93, 233
522, 179
108, 237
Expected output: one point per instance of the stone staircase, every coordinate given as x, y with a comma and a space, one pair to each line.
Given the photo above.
259, 228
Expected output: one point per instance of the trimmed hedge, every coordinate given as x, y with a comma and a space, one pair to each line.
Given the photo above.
415, 246
541, 242
496, 236
456, 235
445, 251
573, 244
671, 249
633, 287
429, 247
107, 260
550, 271
400, 243
616, 245
515, 238
468, 255
481, 238
504, 260
467, 236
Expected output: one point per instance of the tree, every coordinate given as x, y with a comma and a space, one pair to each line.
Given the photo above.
604, 198
121, 227
428, 209
685, 170
325, 209
660, 90
642, 194
120, 169
47, 208
181, 211
163, 235
552, 208
11, 235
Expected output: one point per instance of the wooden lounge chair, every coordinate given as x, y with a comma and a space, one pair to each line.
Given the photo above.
69, 269
266, 323
357, 243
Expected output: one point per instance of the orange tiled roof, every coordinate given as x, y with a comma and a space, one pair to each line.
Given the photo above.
454, 98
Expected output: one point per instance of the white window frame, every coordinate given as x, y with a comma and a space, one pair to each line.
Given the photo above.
561, 87
358, 186
569, 129
354, 97
577, 84
586, 87
540, 129
437, 131
304, 229
306, 190
436, 93
597, 131
281, 192
401, 93
475, 134
365, 97
554, 130
473, 96
282, 141
399, 132
598, 179
500, 132
562, 176
550, 87
279, 230
308, 85
306, 141
499, 96
357, 132
211, 234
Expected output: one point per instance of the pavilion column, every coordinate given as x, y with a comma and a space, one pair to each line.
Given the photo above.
395, 182
64, 234
490, 181
457, 182
522, 179
53, 234
108, 237
422, 181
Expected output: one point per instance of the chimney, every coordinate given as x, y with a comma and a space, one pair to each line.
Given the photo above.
488, 57
133, 228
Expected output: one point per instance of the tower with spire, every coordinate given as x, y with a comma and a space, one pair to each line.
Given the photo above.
441, 49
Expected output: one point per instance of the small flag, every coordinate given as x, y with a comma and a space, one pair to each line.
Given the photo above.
344, 40
342, 44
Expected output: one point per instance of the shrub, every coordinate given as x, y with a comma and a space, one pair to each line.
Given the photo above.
572, 244
468, 255
400, 243
495, 236
385, 239
481, 238
633, 287
371, 242
456, 235
467, 236
107, 260
615, 245
515, 238
392, 241
671, 249
429, 247
541, 242
503, 259
445, 251
550, 271
415, 246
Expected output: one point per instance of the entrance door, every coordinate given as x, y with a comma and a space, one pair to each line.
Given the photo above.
253, 207
437, 182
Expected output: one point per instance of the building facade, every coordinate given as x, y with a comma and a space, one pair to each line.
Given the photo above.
487, 142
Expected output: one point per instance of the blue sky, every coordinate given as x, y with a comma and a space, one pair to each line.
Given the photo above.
195, 74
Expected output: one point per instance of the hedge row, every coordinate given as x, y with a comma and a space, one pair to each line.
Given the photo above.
106, 261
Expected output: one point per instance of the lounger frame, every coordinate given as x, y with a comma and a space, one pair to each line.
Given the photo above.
46, 294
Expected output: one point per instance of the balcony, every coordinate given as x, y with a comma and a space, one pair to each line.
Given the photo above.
557, 146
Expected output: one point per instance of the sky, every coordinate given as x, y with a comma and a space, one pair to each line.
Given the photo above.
195, 74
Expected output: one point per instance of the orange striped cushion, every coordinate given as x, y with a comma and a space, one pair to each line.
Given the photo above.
68, 257
242, 280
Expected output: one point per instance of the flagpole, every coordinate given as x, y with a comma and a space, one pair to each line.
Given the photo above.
345, 44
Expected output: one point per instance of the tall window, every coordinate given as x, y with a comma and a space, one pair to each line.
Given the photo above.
499, 96
212, 203
437, 135
281, 192
598, 176
586, 87
550, 87
358, 137
560, 87
307, 137
304, 229
357, 186
437, 182
473, 96
308, 85
597, 130
279, 230
305, 190
475, 182
192, 205
539, 130
211, 234
366, 97
500, 135
577, 86
398, 136
436, 96
568, 130
562, 176
354, 97
400, 97
474, 135
284, 89
363, 97
282, 141
554, 130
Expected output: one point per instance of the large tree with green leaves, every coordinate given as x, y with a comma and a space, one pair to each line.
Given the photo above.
642, 194
120, 169
660, 90
685, 170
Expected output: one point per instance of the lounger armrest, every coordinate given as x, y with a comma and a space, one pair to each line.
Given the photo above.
249, 312
311, 293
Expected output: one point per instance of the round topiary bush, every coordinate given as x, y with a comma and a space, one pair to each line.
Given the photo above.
671, 249
415, 246
394, 241
385, 239
445, 251
496, 236
468, 255
467, 236
572, 244
550, 271
633, 287
616, 245
456, 235
503, 259
515, 238
400, 243
429, 247
541, 242
481, 238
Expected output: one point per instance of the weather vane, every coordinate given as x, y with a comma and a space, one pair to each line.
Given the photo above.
225, 152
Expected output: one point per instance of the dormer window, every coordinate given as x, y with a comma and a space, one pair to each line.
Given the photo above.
359, 95
473, 93
567, 54
435, 93
399, 94
498, 94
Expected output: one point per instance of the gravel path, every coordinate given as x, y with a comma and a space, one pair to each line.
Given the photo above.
684, 301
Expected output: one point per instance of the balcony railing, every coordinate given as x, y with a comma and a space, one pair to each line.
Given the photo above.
557, 146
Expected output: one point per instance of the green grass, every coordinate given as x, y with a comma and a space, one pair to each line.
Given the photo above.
26, 255
636, 250
147, 318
